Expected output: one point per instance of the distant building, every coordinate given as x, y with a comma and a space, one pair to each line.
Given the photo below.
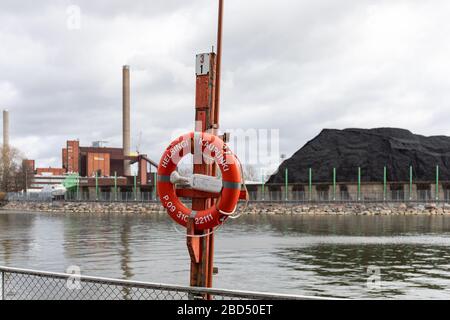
105, 163
50, 171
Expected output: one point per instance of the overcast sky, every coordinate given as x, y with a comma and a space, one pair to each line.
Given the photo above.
294, 65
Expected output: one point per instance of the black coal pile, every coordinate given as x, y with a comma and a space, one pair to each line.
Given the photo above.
370, 149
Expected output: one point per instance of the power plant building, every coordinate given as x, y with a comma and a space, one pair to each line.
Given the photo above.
99, 166
104, 166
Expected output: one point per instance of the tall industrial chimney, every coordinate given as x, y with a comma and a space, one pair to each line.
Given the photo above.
126, 118
5, 129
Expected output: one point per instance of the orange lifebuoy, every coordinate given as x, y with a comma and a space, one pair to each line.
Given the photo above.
210, 148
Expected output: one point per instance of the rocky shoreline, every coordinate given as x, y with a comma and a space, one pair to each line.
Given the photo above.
252, 209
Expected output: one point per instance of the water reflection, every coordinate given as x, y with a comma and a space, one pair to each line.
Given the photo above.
128, 247
314, 255
125, 254
14, 236
341, 270
346, 225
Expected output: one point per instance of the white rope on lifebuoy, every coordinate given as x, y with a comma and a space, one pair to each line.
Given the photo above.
197, 235
233, 215
229, 214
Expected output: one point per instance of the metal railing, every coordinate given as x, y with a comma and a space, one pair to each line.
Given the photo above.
111, 196
24, 196
85, 197
255, 196
423, 196
23, 284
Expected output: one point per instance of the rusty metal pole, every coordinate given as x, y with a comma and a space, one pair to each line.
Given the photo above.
215, 125
201, 249
218, 66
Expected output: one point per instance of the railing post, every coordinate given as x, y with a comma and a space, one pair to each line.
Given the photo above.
78, 188
359, 183
437, 183
115, 185
96, 186
310, 184
286, 185
135, 187
262, 187
410, 182
384, 183
155, 185
334, 184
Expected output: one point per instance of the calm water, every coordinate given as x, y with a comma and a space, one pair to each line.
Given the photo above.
326, 256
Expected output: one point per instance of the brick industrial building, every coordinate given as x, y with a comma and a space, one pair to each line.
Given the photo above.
104, 166
99, 166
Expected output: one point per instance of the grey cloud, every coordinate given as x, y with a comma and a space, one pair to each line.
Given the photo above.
297, 66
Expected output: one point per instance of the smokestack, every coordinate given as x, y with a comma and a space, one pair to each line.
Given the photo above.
5, 129
126, 118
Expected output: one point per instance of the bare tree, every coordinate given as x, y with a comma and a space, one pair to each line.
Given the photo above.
250, 173
10, 168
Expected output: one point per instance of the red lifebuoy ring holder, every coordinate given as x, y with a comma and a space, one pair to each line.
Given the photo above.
211, 149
